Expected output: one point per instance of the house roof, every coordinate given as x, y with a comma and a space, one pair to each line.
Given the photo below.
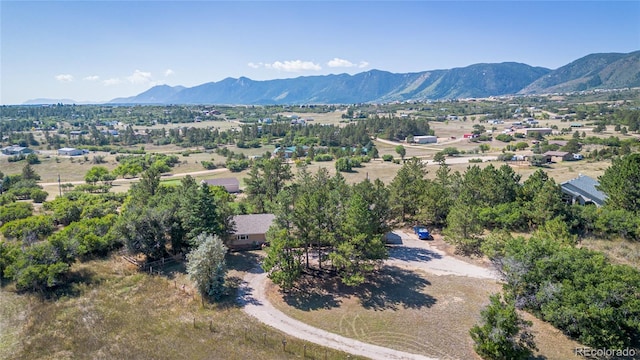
67, 149
230, 184
586, 187
252, 224
15, 148
556, 153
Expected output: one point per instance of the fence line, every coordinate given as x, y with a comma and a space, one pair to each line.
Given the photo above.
153, 266
300, 348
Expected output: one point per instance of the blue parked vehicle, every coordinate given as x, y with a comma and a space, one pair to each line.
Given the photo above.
422, 232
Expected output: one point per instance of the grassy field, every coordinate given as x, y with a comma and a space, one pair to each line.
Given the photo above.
410, 311
119, 313
74, 169
619, 251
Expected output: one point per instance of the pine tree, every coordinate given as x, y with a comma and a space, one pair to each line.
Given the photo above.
502, 334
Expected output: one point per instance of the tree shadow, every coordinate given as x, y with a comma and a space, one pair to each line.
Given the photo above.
247, 261
313, 293
75, 284
393, 238
244, 296
171, 270
407, 253
391, 288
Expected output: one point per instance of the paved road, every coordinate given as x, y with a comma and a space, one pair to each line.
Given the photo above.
409, 253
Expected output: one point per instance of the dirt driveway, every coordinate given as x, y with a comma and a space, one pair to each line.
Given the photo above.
407, 252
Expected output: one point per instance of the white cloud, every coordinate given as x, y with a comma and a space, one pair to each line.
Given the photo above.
64, 77
294, 66
140, 77
254, 65
168, 72
112, 81
92, 78
337, 62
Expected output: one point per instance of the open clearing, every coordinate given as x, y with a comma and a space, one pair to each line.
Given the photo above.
119, 313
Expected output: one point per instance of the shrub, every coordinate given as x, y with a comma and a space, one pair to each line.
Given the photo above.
38, 268
323, 157
28, 229
38, 196
209, 165
502, 334
343, 165
237, 165
575, 289
504, 138
33, 159
387, 157
15, 211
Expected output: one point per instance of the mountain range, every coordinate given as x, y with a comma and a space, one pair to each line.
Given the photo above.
595, 71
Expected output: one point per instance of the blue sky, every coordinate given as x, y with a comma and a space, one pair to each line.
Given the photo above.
99, 50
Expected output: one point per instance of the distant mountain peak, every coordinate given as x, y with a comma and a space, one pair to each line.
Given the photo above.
594, 71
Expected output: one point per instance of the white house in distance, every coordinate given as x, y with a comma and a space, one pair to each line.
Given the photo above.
70, 151
426, 139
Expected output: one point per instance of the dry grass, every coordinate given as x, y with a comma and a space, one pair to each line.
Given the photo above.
409, 311
118, 313
619, 251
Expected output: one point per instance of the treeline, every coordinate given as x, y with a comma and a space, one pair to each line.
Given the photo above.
466, 204
576, 290
39, 249
21, 186
37, 256
322, 223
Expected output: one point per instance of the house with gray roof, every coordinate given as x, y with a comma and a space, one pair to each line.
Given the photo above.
250, 230
232, 185
557, 156
16, 150
583, 190
67, 151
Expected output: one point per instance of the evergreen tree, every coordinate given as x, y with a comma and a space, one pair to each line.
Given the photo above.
28, 173
502, 334
360, 248
621, 183
406, 188
283, 262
